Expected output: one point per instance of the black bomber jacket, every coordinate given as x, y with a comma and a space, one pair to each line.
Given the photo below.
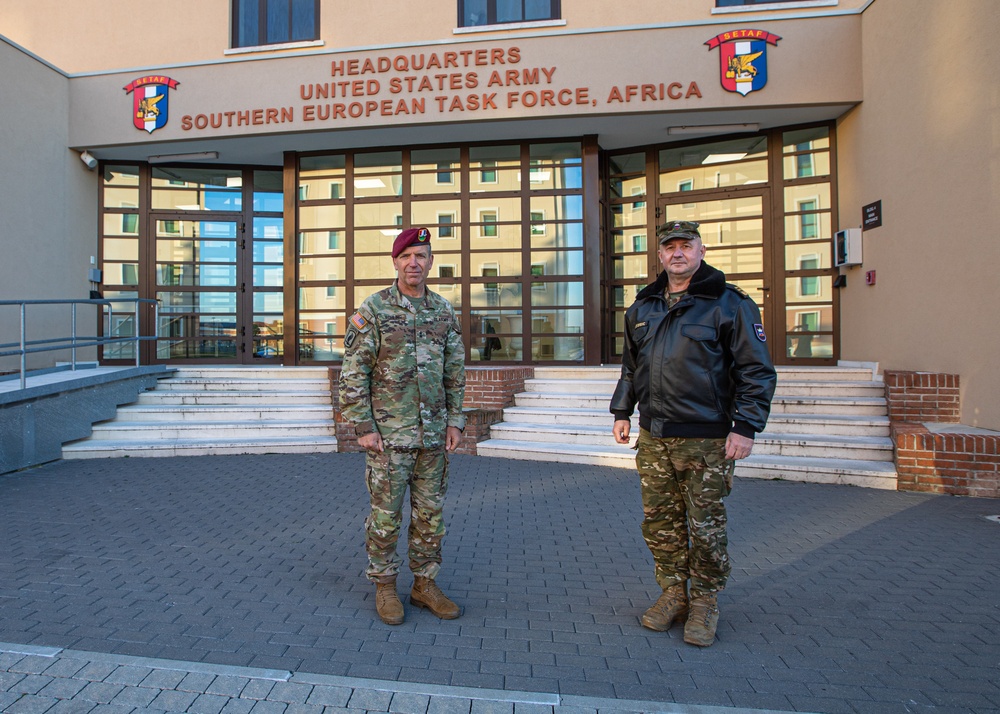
700, 369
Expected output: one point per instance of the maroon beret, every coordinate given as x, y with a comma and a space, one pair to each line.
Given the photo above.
411, 236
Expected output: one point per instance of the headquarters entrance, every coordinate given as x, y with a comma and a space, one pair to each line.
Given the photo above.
540, 247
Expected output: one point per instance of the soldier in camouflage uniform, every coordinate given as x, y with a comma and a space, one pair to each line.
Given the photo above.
696, 363
402, 387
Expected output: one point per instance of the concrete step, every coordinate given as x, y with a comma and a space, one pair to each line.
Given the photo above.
824, 446
222, 431
867, 406
551, 400
558, 433
604, 387
223, 412
102, 449
822, 374
832, 424
239, 384
247, 397
611, 372
829, 388
234, 372
871, 474
563, 416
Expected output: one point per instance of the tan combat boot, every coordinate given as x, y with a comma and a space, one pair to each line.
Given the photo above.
672, 605
701, 623
387, 603
427, 594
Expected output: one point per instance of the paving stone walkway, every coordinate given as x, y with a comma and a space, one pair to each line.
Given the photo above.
184, 584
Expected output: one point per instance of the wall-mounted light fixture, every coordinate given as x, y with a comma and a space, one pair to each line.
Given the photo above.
713, 129
197, 156
89, 159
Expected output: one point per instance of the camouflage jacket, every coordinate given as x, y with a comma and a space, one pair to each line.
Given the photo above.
404, 370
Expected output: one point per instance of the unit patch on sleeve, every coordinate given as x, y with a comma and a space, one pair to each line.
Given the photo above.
758, 329
356, 325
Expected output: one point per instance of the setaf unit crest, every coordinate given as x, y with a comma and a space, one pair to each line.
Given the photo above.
743, 59
149, 101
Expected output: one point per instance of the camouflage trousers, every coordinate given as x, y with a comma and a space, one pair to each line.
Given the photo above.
683, 484
425, 473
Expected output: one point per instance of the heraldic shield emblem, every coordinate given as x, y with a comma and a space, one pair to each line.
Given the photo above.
150, 97
743, 59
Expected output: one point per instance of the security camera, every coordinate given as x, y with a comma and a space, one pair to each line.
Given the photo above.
89, 160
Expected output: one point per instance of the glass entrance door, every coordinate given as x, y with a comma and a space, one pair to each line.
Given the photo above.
217, 268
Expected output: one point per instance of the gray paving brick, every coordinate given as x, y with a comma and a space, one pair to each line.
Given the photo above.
262, 707
128, 675
208, 704
30, 684
449, 705
308, 709
329, 696
31, 704
71, 706
406, 703
481, 706
62, 688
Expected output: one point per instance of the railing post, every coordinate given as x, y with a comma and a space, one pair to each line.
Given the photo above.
138, 332
73, 349
23, 353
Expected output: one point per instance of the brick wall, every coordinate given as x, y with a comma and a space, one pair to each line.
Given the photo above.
922, 396
958, 464
953, 463
488, 390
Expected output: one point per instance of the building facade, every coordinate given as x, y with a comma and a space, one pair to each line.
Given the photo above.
253, 160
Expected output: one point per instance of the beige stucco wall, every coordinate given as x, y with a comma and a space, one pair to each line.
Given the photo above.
48, 203
98, 35
926, 142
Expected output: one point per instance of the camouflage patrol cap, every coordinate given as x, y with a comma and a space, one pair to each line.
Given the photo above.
679, 230
411, 236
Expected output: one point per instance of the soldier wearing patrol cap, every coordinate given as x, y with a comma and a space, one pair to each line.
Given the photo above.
696, 363
402, 386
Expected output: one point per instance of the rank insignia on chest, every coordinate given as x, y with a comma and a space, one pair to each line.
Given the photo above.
758, 330
359, 322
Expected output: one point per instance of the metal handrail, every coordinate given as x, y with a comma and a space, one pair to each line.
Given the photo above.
75, 341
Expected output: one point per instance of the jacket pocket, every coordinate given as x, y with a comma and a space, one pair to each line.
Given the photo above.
700, 333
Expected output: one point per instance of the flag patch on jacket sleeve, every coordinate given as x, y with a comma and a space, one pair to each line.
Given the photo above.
758, 330
359, 322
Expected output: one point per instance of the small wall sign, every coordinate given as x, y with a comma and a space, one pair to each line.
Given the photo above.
871, 215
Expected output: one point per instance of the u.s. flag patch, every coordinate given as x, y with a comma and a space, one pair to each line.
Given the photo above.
359, 321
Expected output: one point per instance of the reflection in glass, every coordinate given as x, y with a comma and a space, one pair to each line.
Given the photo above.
322, 189
715, 210
803, 345
374, 267
556, 294
268, 191
322, 217
807, 197
725, 233
378, 185
806, 139
332, 164
121, 249
806, 165
207, 302
713, 176
733, 261
195, 349
629, 215
570, 152
121, 273
557, 208
326, 298
268, 275
557, 348
632, 267
322, 269
205, 275
195, 251
432, 213
378, 162
495, 295
809, 226
121, 186
562, 262
751, 147
378, 214
557, 235
812, 288
807, 256
321, 242
427, 159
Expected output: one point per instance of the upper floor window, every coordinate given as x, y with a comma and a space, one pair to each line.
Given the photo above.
472, 13
273, 22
